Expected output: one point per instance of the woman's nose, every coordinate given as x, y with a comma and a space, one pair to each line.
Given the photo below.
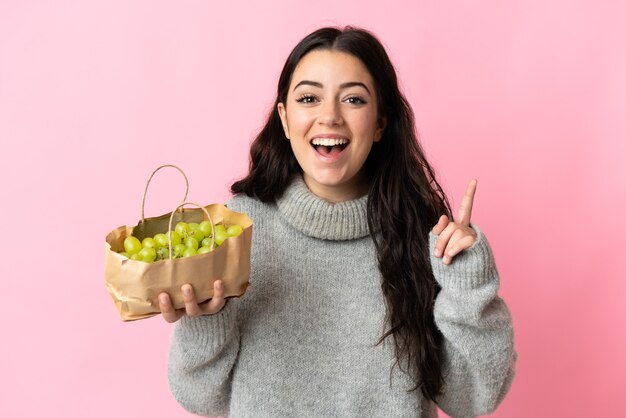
330, 113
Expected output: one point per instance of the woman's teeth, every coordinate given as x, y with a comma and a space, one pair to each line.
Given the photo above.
329, 142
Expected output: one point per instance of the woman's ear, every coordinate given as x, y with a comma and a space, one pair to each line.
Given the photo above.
380, 128
282, 112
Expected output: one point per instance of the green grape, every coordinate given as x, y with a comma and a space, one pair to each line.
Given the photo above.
162, 253
234, 230
176, 238
179, 249
135, 257
148, 243
189, 252
147, 254
206, 242
220, 234
194, 231
132, 245
161, 240
183, 229
205, 227
203, 250
191, 242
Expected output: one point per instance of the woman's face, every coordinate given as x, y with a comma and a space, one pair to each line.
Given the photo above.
331, 119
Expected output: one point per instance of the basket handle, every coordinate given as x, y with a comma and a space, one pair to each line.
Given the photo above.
206, 212
145, 192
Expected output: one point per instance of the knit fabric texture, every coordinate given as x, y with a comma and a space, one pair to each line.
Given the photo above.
303, 340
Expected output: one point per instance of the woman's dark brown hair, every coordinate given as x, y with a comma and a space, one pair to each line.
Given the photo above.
404, 201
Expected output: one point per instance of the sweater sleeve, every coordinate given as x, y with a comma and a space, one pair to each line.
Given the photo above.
477, 329
202, 355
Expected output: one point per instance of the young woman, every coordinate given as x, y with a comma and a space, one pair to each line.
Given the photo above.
366, 297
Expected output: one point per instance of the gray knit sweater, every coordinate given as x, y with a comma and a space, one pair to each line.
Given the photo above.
302, 340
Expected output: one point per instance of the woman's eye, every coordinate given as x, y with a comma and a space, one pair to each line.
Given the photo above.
306, 99
355, 100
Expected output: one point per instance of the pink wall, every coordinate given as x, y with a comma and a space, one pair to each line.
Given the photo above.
529, 97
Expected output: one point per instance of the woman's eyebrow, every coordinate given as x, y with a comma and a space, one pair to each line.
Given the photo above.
341, 86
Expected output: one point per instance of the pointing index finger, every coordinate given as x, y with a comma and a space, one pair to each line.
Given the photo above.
465, 210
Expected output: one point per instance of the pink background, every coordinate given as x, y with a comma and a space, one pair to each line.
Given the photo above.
528, 97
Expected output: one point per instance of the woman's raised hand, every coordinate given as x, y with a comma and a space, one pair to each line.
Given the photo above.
454, 237
192, 308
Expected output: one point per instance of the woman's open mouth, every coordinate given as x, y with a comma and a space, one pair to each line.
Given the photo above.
329, 148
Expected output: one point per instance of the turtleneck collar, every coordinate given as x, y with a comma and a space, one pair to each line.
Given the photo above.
318, 218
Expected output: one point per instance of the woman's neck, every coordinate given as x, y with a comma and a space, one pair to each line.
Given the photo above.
319, 218
355, 188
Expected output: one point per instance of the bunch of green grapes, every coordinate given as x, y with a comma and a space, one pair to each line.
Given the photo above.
188, 239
